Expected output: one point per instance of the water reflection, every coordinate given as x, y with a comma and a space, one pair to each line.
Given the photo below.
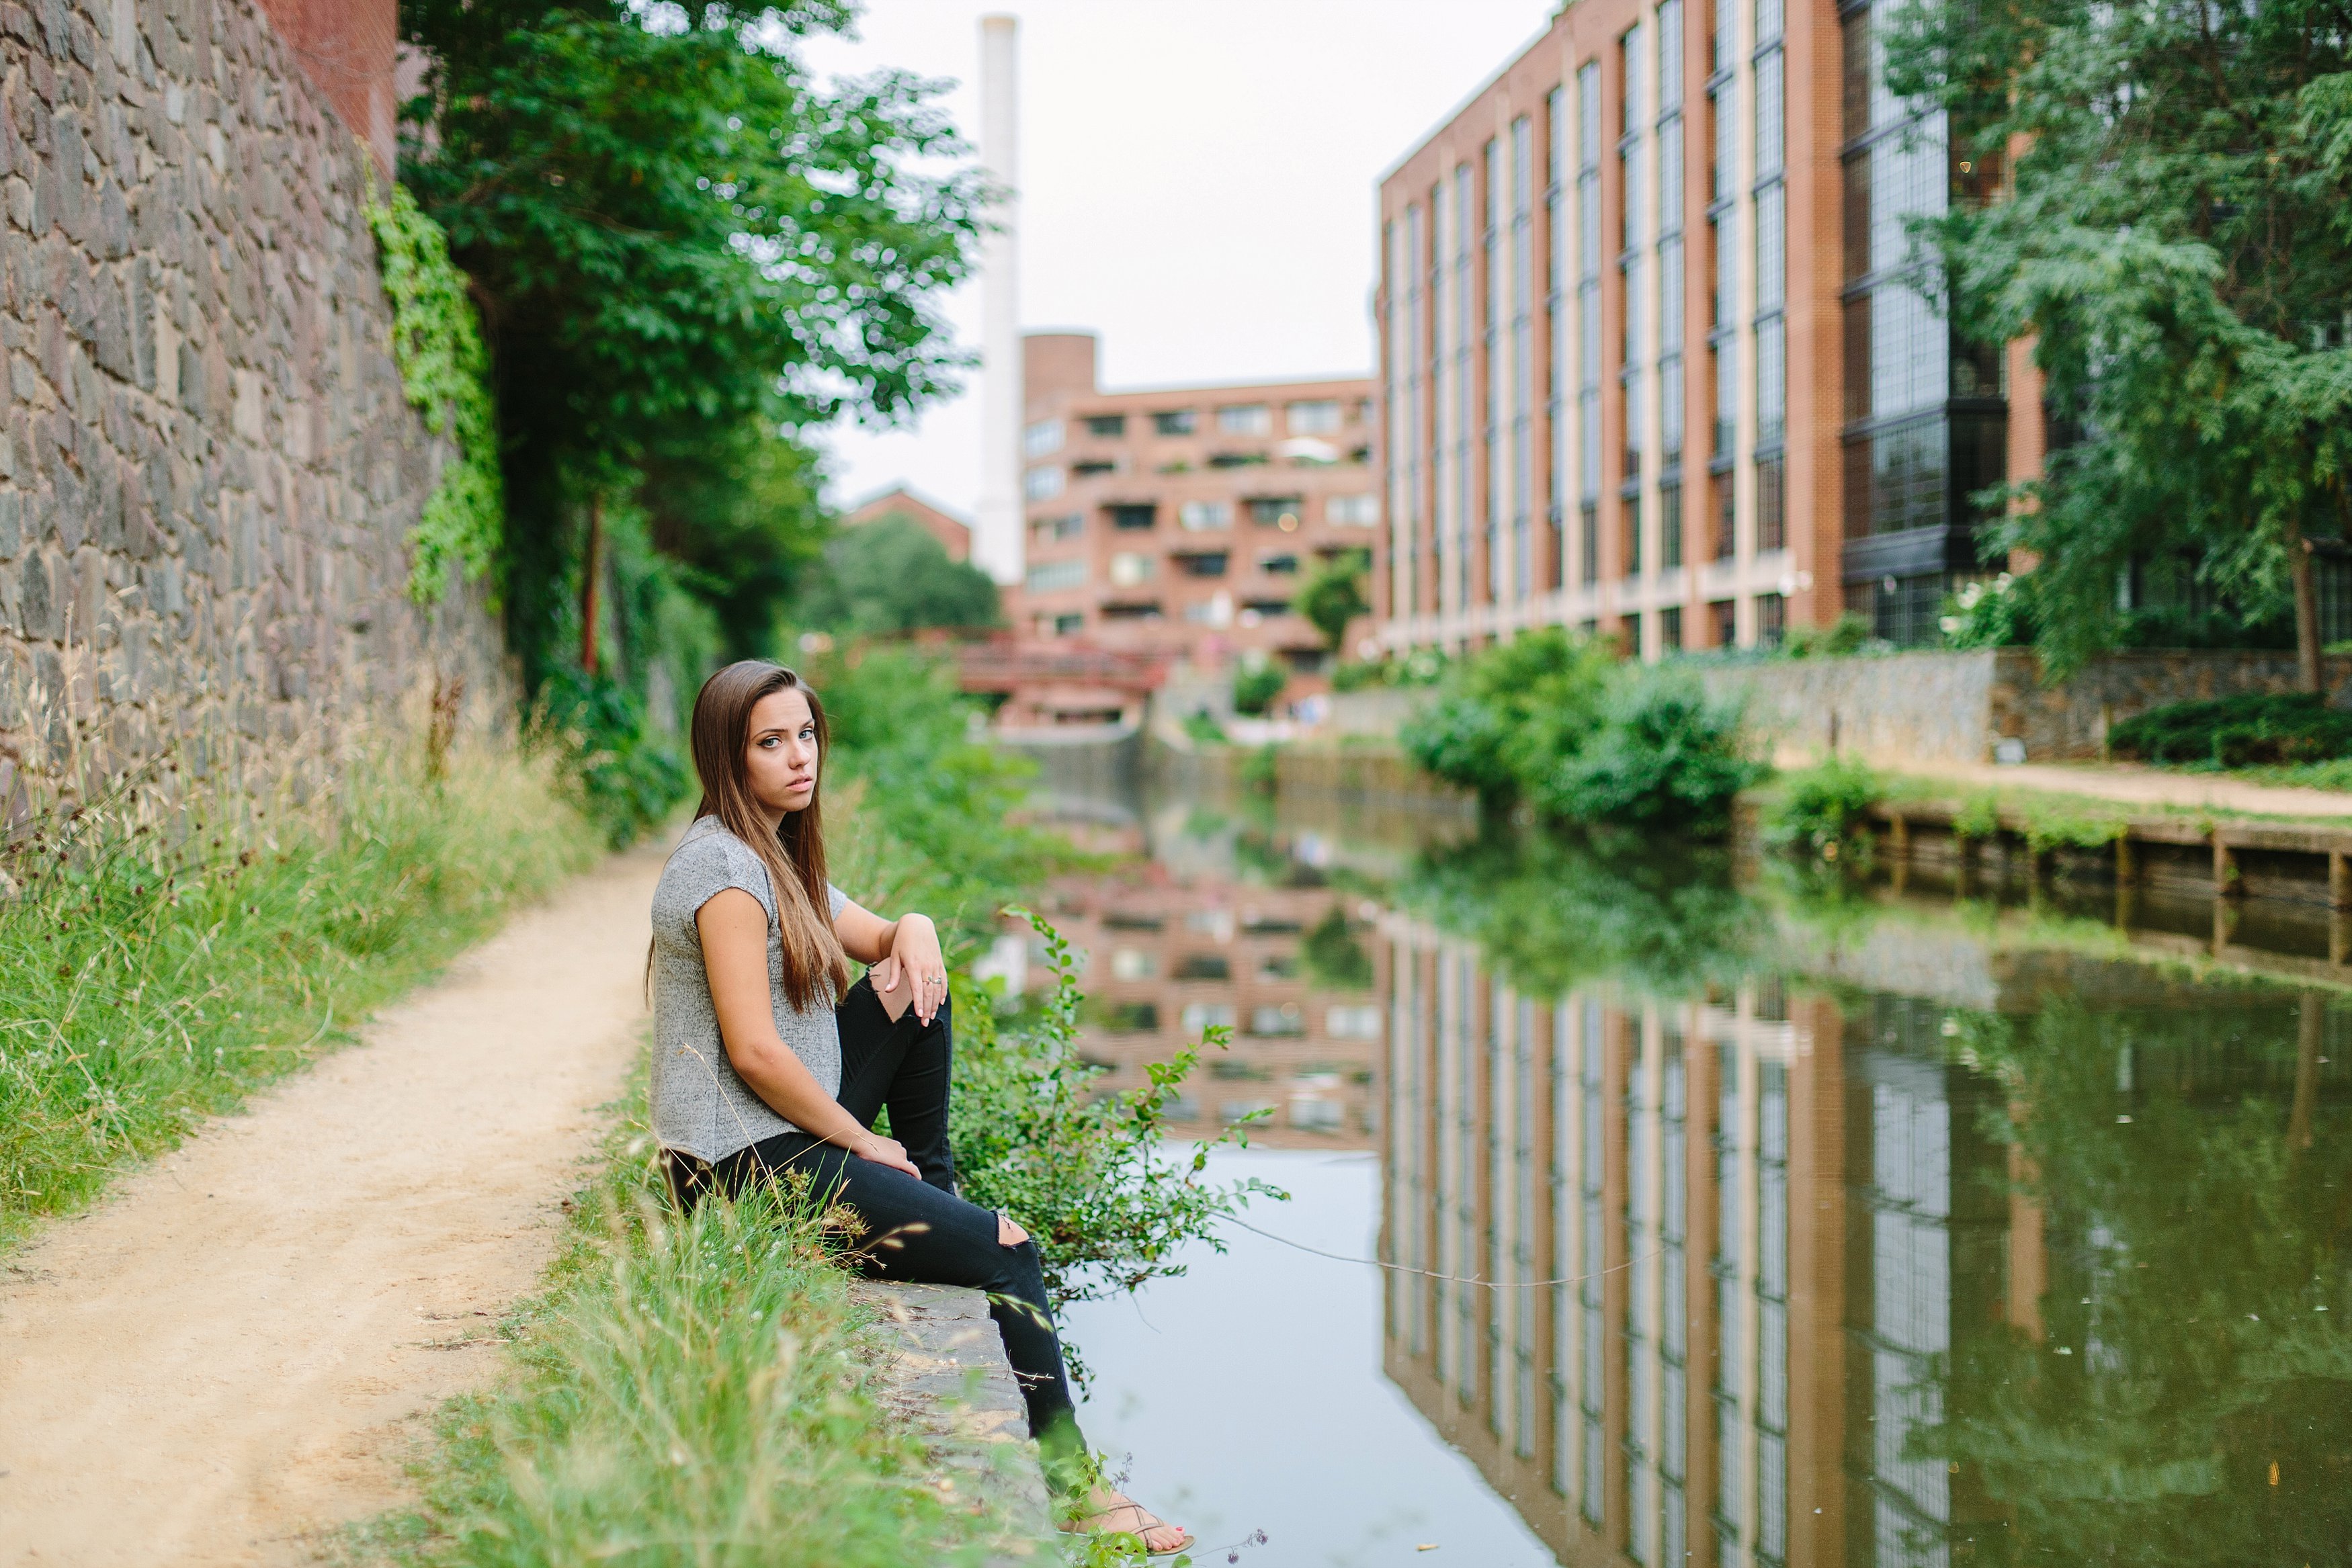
1832, 1226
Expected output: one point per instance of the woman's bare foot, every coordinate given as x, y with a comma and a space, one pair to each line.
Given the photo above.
1116, 1513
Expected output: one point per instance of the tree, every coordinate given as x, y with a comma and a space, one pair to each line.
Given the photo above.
674, 236
1333, 595
891, 576
2173, 240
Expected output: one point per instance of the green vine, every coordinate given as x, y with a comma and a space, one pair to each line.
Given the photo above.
437, 340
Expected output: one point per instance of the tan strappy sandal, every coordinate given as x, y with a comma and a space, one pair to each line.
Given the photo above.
1128, 1517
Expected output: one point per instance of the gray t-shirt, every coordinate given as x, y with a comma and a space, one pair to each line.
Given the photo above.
700, 1106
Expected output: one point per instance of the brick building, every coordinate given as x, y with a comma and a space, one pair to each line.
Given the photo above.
953, 532
1181, 521
1651, 359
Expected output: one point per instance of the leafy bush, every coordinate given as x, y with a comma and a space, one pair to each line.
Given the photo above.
1511, 709
626, 779
1664, 756
1419, 667
1256, 686
1849, 634
1562, 722
2238, 732
1994, 614
1825, 807
1082, 1170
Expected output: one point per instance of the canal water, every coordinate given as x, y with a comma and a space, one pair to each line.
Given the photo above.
1728, 1215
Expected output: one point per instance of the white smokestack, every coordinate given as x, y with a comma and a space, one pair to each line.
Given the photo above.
997, 544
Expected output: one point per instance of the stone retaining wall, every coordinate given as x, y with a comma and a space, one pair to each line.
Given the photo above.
208, 468
1955, 706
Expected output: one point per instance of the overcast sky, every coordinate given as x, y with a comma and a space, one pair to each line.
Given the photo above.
1197, 180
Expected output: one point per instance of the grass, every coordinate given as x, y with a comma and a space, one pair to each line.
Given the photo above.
164, 961
683, 1390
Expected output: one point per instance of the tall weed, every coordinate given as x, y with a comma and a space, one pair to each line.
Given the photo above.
166, 957
690, 1389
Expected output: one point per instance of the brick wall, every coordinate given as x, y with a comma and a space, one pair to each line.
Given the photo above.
208, 468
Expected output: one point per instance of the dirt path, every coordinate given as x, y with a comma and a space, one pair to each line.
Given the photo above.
233, 1351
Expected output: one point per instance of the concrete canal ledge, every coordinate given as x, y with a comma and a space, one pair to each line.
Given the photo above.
2302, 862
946, 1379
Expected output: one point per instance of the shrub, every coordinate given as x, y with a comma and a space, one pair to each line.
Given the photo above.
1986, 616
2238, 731
1420, 667
1664, 756
1509, 711
1256, 686
1825, 807
1083, 1171
625, 779
1847, 634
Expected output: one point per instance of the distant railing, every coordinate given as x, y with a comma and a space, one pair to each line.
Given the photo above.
1003, 667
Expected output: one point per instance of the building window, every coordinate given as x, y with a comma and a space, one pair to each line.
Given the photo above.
1109, 426
1202, 517
1069, 526
1630, 509
1906, 610
1670, 527
1278, 563
1670, 630
1175, 422
1069, 625
1129, 568
1143, 610
1724, 615
1772, 504
1245, 419
1042, 483
1352, 511
1130, 517
1589, 540
1771, 619
1042, 438
1319, 417
1277, 512
1727, 516
1051, 576
1204, 563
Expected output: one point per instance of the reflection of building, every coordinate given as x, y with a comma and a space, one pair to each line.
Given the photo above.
1165, 960
1182, 520
1654, 361
1754, 1216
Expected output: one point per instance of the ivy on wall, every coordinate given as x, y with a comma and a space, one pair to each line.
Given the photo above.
437, 340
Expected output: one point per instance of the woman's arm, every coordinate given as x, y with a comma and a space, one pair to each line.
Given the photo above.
735, 957
905, 954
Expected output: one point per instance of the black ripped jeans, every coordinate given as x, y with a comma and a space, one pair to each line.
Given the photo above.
918, 1231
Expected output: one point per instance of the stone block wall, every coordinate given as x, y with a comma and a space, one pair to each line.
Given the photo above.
1954, 706
209, 469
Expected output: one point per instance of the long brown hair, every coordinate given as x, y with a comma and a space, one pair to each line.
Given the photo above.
816, 971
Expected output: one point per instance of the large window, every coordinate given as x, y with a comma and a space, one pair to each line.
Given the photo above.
1588, 320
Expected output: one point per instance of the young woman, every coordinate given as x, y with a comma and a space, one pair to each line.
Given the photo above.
766, 1059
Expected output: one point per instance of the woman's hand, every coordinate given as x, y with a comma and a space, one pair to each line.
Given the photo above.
885, 1151
915, 963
